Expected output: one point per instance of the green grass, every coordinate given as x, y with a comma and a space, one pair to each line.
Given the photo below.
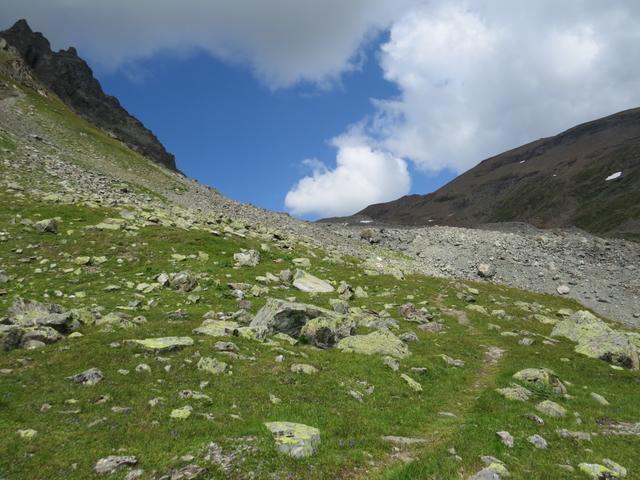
67, 448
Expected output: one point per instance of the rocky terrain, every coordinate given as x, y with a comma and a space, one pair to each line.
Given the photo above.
603, 274
587, 177
152, 329
71, 79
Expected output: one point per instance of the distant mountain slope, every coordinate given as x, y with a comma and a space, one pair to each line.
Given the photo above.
71, 79
552, 182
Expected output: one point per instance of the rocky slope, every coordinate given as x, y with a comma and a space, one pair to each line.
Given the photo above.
71, 79
559, 181
152, 329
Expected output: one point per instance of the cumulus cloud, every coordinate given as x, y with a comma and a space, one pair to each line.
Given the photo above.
477, 78
284, 41
363, 175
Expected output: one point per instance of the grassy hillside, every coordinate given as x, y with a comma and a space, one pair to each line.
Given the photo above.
54, 428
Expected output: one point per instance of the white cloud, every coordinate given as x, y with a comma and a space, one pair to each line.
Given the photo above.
477, 78
363, 175
284, 41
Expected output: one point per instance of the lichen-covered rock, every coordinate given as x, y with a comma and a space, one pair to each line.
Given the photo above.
617, 468
46, 335
30, 313
114, 463
280, 316
376, 343
295, 439
248, 258
27, 433
303, 368
596, 339
88, 377
211, 365
551, 409
10, 337
538, 441
415, 386
217, 328
188, 472
162, 344
181, 413
325, 332
49, 225
515, 392
306, 282
119, 320
183, 281
595, 471
541, 377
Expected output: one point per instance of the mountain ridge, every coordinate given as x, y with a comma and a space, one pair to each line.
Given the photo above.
556, 181
72, 80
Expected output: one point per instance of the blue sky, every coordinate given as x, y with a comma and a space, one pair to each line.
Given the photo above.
229, 130
323, 107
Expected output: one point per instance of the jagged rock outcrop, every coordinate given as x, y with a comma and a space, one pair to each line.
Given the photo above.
70, 78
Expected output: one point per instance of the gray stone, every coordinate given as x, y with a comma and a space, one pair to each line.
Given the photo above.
162, 344
114, 463
541, 377
538, 441
248, 258
183, 281
306, 282
486, 270
375, 343
551, 409
596, 339
280, 316
506, 438
88, 377
49, 225
303, 368
30, 313
325, 332
211, 365
295, 439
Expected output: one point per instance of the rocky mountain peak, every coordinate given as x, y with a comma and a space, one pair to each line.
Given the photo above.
71, 79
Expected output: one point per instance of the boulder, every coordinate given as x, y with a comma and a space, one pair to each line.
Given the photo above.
596, 339
376, 343
183, 281
162, 344
248, 258
541, 377
551, 409
538, 441
46, 335
49, 225
325, 332
515, 392
486, 270
30, 313
10, 337
113, 463
306, 282
415, 386
595, 471
217, 328
280, 316
88, 377
294, 439
303, 368
211, 365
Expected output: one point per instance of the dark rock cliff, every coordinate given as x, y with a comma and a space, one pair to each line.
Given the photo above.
71, 79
